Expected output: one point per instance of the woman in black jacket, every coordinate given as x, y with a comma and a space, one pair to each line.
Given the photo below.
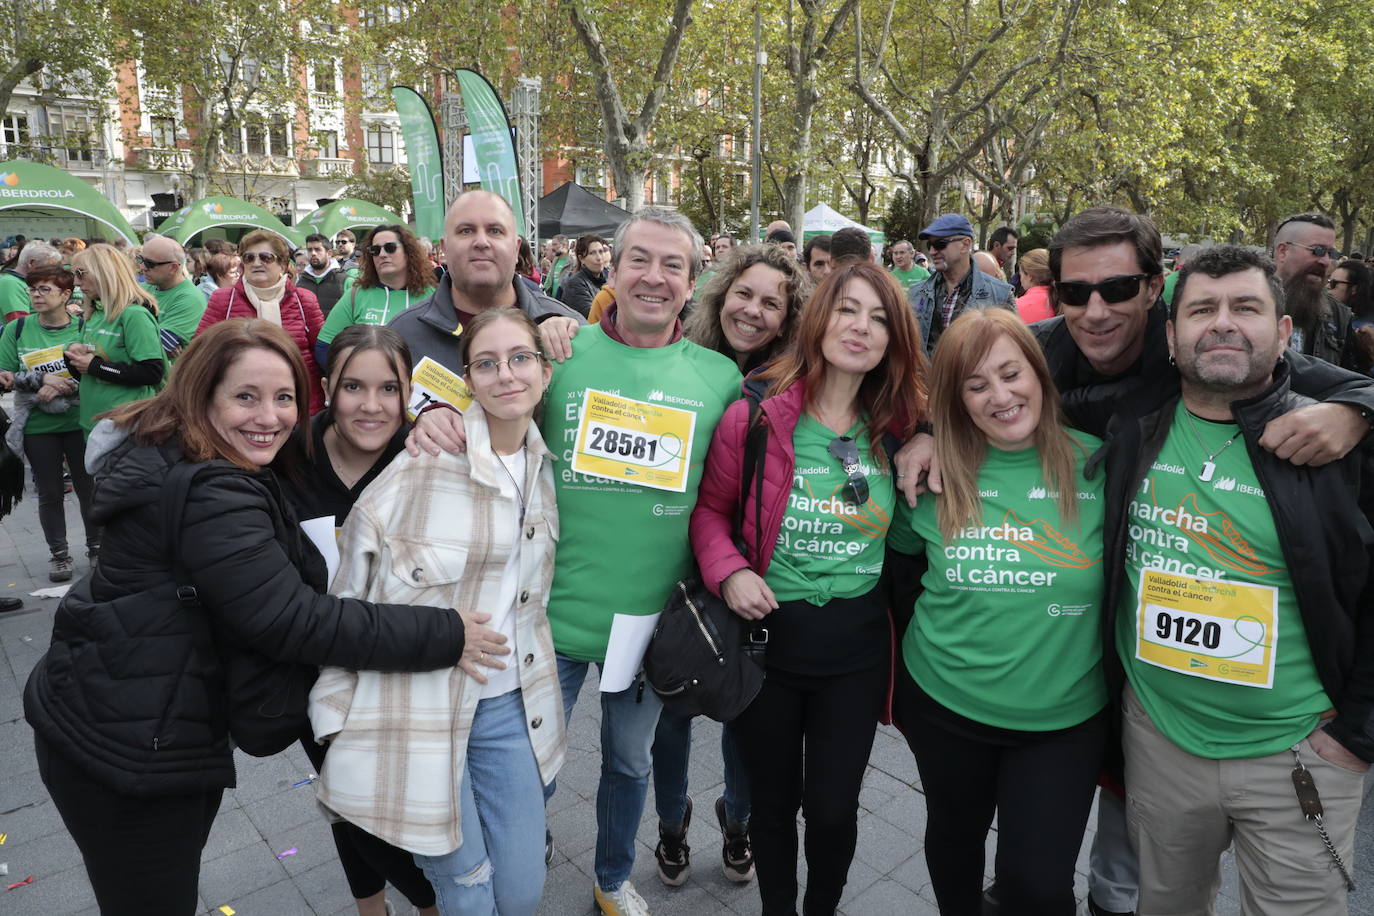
581, 287
128, 706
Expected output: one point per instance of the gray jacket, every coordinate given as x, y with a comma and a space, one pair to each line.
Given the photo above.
430, 327
986, 292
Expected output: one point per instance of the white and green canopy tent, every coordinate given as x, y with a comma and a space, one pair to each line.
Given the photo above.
823, 218
223, 212
348, 213
40, 201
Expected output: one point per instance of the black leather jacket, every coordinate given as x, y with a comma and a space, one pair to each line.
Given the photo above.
122, 691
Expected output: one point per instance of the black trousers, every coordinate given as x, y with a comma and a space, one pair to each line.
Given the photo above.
805, 741
45, 452
1039, 784
369, 862
142, 854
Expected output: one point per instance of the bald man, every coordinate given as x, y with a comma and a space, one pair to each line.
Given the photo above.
180, 304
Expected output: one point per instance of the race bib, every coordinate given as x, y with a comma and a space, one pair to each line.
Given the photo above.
637, 442
49, 360
431, 383
1209, 628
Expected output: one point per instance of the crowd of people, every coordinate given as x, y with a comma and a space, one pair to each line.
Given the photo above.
1047, 512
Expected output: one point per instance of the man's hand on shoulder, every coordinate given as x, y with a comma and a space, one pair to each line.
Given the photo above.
1316, 434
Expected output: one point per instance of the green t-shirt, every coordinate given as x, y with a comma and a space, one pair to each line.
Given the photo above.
906, 278
1008, 627
375, 305
622, 545
179, 309
130, 338
14, 294
829, 548
1219, 657
1170, 283
551, 279
40, 348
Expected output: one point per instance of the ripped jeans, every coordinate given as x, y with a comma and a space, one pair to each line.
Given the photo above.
500, 866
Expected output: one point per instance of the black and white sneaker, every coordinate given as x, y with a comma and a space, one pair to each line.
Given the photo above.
737, 855
673, 854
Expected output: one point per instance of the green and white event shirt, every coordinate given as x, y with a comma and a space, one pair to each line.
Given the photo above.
374, 305
1007, 629
41, 349
130, 338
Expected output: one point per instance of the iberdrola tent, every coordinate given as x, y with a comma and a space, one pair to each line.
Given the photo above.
347, 213
825, 219
41, 190
213, 212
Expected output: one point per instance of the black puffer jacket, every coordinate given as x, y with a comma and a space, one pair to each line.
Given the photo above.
581, 288
122, 691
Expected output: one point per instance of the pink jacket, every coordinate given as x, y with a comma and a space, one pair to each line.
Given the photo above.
301, 319
713, 519
1035, 305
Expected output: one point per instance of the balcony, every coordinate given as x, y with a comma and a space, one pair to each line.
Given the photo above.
154, 159
258, 164
331, 169
76, 157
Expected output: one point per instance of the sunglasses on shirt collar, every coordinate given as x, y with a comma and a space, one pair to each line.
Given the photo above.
846, 450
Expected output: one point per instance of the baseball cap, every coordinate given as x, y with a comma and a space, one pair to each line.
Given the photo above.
946, 226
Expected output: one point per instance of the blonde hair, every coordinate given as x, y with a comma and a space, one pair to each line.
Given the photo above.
960, 446
1035, 267
114, 273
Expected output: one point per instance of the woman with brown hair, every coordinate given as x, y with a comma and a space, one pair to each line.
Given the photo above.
854, 376
1000, 692
593, 267
128, 705
396, 274
265, 291
749, 306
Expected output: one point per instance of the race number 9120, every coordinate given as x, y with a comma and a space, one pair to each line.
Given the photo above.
1187, 631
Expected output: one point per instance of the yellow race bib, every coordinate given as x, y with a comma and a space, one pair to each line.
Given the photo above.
639, 442
1209, 628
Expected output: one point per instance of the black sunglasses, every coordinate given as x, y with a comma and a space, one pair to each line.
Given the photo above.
1112, 289
147, 263
847, 451
1318, 251
939, 244
388, 247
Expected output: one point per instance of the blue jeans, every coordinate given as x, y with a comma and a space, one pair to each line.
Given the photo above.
672, 751
628, 719
500, 866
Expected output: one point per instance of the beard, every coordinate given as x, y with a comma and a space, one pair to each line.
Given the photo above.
1305, 300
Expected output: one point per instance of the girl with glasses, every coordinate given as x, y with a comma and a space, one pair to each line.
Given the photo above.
395, 274
854, 376
46, 418
265, 290
999, 687
451, 765
120, 356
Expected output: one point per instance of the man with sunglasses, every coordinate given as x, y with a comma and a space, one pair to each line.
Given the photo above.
955, 285
345, 249
1304, 250
180, 304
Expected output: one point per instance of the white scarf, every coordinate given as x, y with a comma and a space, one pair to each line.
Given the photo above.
266, 300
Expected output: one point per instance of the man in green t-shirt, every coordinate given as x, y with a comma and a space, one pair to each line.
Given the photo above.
1238, 615
630, 415
180, 304
904, 266
558, 261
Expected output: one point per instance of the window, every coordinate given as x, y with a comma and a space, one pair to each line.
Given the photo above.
324, 77
381, 145
255, 138
278, 137
376, 79
75, 130
164, 132
328, 142
14, 129
232, 140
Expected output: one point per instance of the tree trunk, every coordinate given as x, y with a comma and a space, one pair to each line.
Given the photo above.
15, 74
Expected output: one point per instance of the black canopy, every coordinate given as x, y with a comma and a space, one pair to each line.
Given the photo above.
572, 210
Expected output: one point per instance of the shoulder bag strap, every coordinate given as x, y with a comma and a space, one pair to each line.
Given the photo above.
755, 453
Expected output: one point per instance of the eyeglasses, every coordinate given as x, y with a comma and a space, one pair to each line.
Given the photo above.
79, 272
144, 262
1333, 282
266, 257
1112, 290
939, 244
388, 247
846, 450
1318, 251
516, 362
45, 290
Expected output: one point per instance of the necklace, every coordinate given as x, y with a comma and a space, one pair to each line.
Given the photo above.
1209, 466
519, 494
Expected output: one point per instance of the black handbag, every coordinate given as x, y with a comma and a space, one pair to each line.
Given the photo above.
264, 702
704, 659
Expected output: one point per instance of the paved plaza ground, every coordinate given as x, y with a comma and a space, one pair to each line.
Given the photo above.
265, 815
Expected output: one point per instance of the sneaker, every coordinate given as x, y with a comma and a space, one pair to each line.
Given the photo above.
1096, 910
623, 901
673, 854
736, 854
548, 847
60, 568
11, 604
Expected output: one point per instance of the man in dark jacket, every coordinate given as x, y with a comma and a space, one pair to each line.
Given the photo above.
480, 247
1242, 619
323, 275
1304, 248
